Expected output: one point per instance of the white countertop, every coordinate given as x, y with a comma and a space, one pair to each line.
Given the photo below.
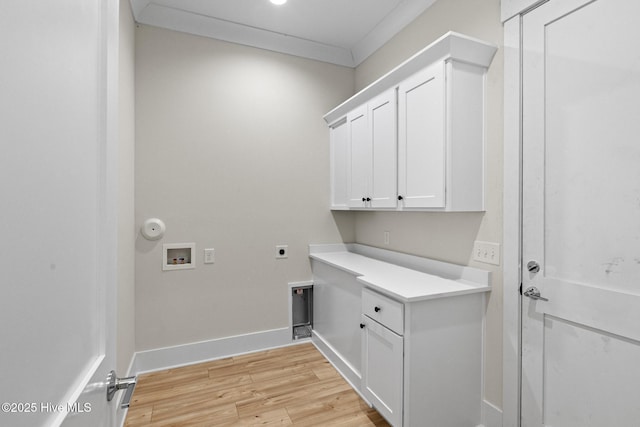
401, 283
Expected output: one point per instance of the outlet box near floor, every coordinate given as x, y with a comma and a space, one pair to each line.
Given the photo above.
301, 309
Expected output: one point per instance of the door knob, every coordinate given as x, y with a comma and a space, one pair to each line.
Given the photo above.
534, 294
533, 266
114, 384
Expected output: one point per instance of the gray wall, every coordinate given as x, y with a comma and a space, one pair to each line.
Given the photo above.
232, 153
447, 236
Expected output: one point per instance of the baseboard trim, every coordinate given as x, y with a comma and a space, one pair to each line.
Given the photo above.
491, 415
189, 354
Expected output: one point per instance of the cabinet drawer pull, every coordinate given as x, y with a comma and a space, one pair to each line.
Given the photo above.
377, 309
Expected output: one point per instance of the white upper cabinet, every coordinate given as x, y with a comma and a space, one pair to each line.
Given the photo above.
338, 152
372, 140
415, 136
421, 148
441, 138
382, 123
359, 157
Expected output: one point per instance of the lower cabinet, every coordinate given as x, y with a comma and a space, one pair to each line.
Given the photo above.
382, 367
415, 356
383, 354
421, 361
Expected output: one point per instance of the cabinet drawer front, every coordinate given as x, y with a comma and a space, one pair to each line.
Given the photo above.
384, 310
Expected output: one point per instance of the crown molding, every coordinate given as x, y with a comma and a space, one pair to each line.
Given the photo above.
173, 18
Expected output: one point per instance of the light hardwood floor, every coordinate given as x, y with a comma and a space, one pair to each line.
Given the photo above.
287, 386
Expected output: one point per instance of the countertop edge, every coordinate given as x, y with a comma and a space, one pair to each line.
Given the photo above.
404, 299
319, 252
318, 257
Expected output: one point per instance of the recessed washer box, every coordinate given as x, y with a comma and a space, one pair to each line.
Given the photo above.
178, 256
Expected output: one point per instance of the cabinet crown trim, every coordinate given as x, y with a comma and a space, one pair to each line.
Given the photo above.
451, 46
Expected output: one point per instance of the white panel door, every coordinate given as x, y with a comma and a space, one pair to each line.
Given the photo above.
581, 214
421, 142
384, 177
58, 227
383, 369
359, 157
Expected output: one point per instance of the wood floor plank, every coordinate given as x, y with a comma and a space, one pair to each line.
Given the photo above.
285, 386
178, 414
139, 415
275, 417
324, 370
294, 396
188, 390
344, 408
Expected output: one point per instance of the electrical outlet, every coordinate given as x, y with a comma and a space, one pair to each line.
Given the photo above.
282, 251
487, 252
209, 256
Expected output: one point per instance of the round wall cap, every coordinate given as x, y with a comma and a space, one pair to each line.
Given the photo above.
153, 229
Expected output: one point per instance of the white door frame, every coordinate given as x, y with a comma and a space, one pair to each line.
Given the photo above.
512, 11
512, 215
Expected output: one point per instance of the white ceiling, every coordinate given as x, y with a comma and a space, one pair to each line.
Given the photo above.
343, 32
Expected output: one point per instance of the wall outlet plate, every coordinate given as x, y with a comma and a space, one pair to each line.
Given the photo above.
282, 251
487, 252
209, 256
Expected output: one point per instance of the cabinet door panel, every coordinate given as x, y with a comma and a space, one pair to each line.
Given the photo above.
421, 139
338, 147
382, 117
359, 156
382, 369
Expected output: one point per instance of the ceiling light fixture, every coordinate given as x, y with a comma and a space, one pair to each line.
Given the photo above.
278, 2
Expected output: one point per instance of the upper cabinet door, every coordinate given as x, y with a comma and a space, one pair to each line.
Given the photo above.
382, 119
360, 157
421, 139
339, 162
373, 153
